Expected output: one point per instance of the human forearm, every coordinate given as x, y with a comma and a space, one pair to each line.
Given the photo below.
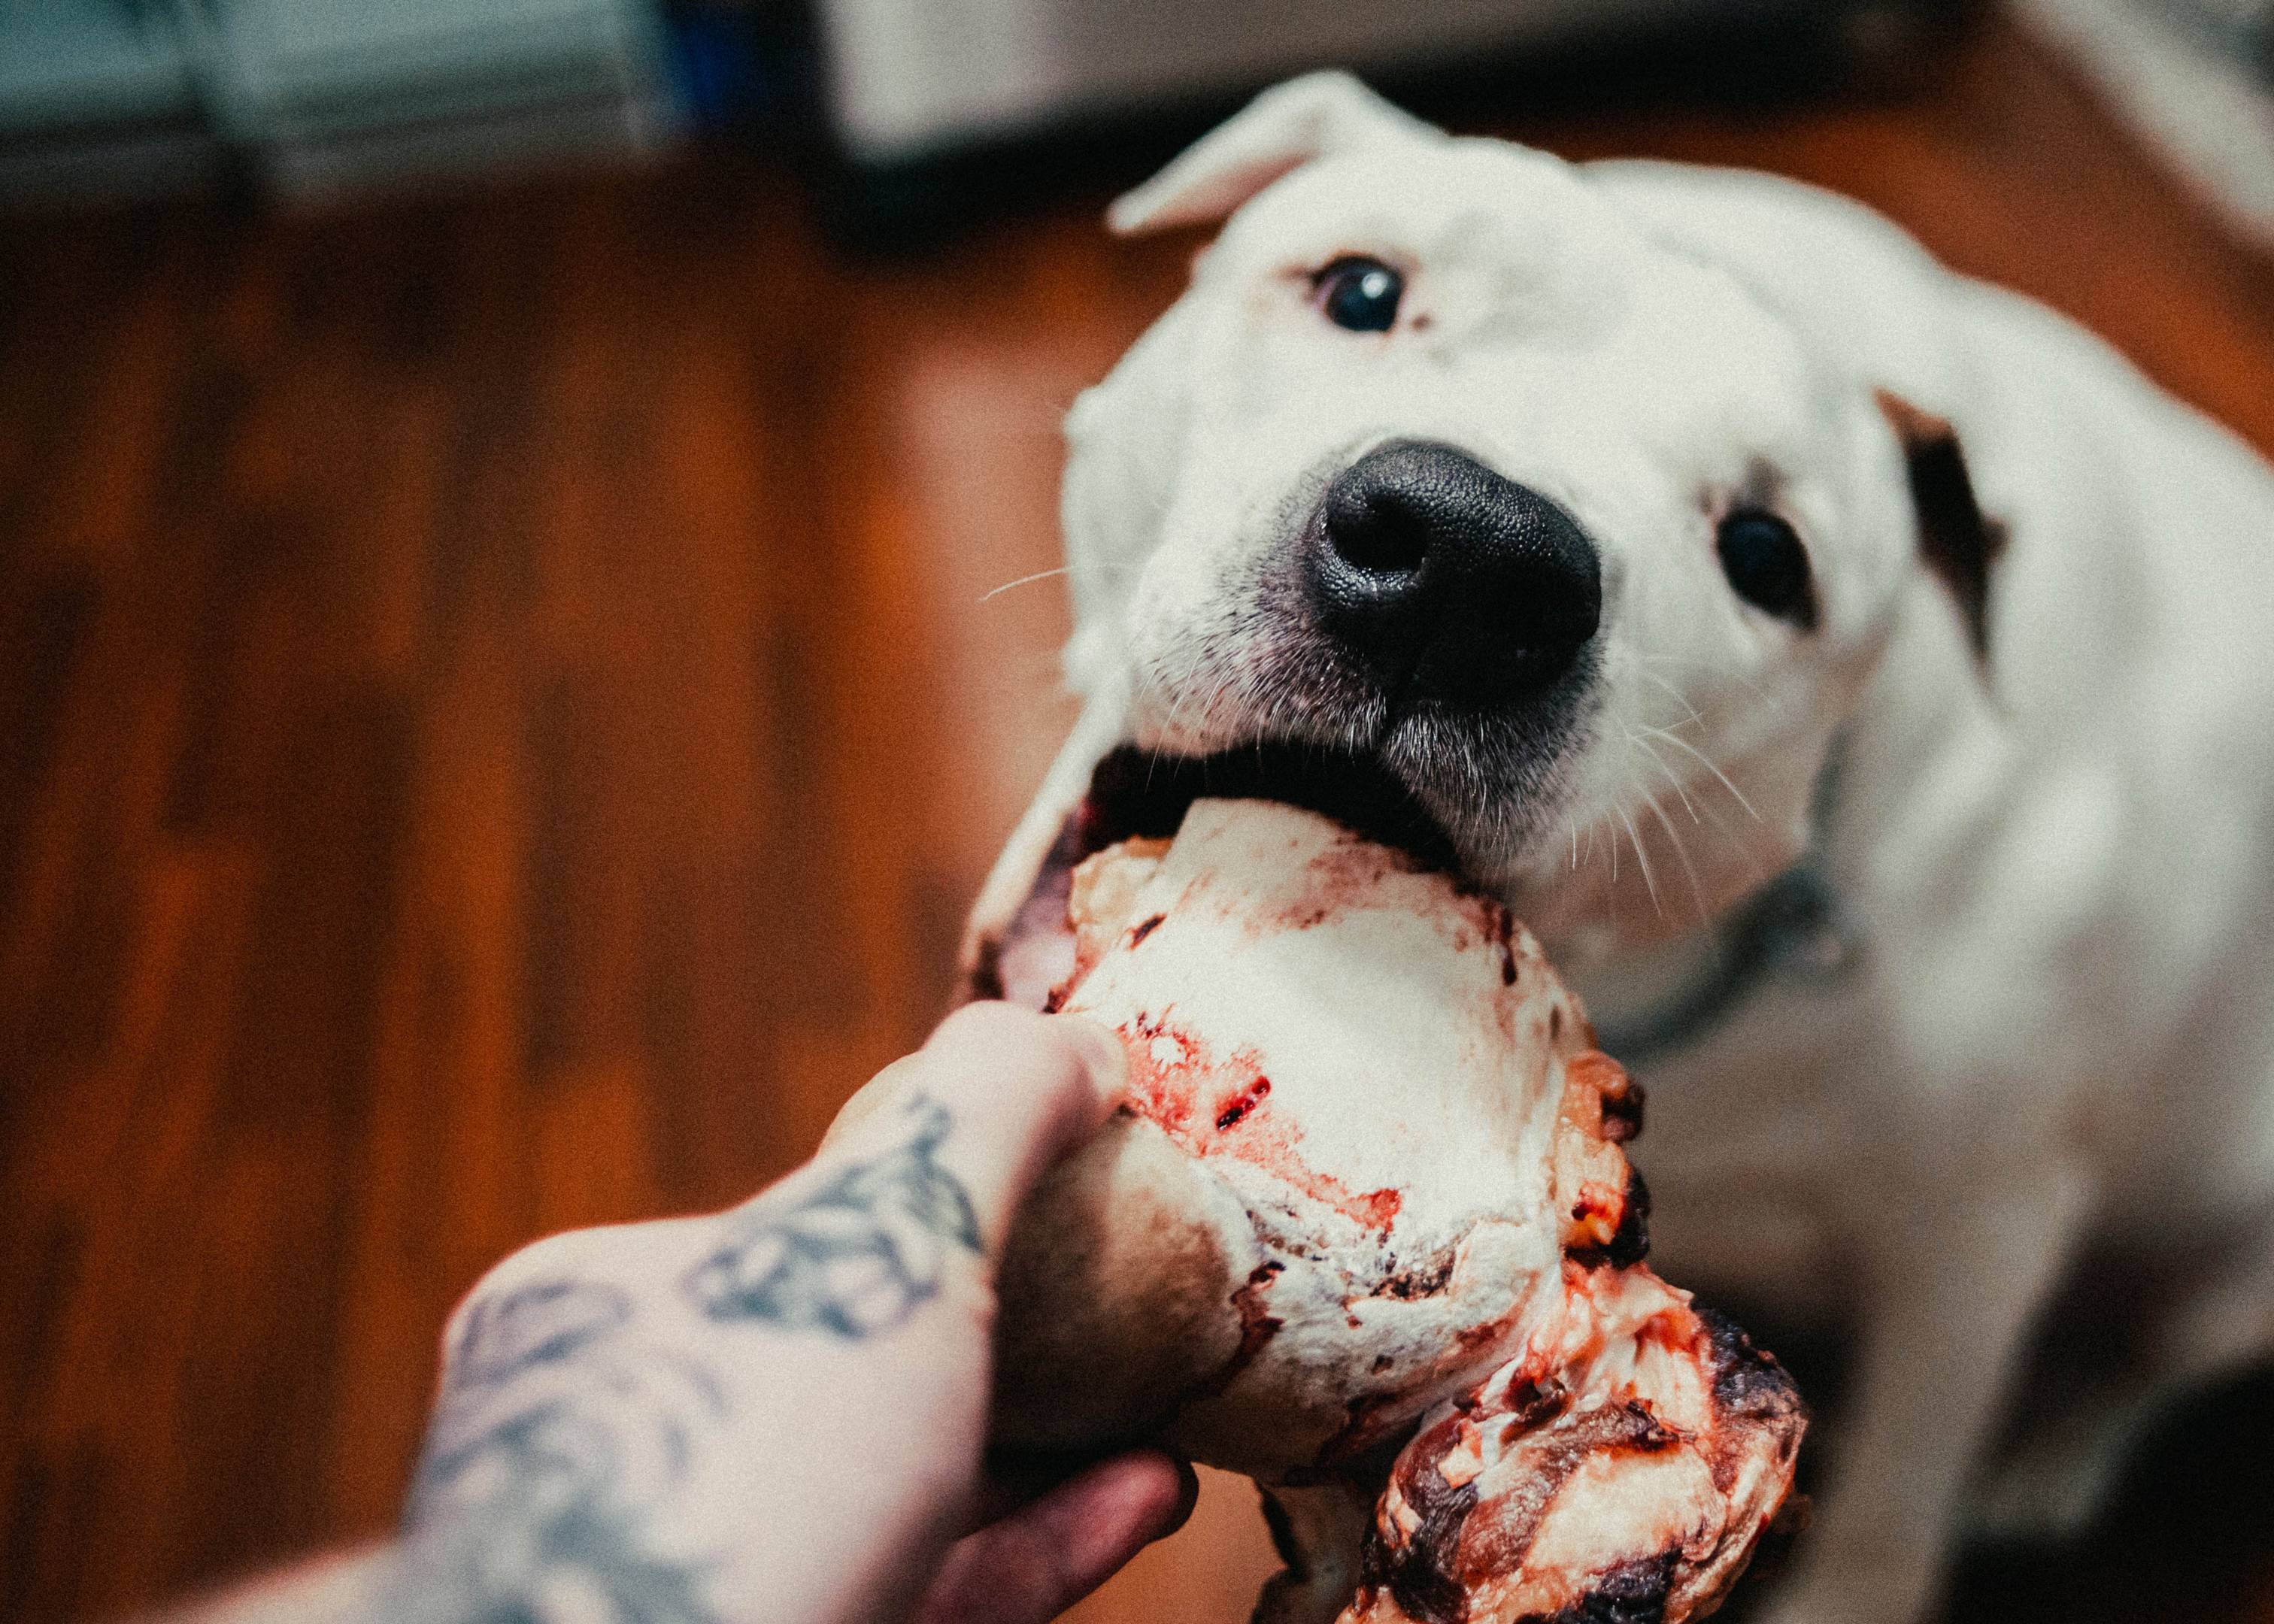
777, 1412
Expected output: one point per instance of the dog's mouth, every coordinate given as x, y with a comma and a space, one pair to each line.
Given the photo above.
1135, 792
1139, 793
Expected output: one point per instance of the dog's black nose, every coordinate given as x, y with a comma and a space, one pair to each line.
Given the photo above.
1447, 582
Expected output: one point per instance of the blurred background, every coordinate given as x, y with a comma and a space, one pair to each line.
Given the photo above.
509, 671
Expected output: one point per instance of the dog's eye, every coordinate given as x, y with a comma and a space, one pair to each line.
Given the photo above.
1360, 294
1766, 565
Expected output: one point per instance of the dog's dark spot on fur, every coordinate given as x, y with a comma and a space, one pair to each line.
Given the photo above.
1144, 928
1955, 538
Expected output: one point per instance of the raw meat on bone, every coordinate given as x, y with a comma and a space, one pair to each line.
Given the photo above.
1368, 1190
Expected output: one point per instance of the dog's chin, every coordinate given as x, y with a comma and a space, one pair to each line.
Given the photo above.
1494, 784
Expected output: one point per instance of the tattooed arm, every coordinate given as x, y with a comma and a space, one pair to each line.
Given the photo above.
776, 1413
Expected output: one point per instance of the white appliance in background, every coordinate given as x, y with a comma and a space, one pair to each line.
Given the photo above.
2192, 77
319, 96
911, 77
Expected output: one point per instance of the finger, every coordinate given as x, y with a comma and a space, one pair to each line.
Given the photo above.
1004, 1091
1041, 1560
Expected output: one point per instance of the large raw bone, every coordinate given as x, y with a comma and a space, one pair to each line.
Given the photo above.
1369, 1175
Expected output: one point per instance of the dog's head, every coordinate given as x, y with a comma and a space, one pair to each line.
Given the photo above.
1445, 466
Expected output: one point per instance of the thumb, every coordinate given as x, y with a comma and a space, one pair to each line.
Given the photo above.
998, 1092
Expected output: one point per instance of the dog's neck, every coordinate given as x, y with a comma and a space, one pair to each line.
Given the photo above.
1794, 930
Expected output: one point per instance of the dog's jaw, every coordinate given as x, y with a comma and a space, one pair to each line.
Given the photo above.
1498, 783
1571, 830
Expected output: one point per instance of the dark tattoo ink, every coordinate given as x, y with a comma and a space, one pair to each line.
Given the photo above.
539, 1532
558, 1443
536, 1324
563, 1438
854, 1257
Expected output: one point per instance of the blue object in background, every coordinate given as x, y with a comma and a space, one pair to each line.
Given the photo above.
315, 96
742, 65
97, 98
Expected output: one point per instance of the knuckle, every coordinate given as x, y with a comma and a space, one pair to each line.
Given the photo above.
992, 1021
1007, 1038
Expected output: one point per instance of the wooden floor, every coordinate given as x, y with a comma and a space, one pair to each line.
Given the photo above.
500, 711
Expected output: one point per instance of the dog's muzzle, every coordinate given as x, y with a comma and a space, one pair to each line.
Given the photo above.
1447, 584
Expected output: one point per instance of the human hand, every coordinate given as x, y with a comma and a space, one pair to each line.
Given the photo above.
779, 1412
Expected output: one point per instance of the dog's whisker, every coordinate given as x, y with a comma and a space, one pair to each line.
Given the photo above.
1178, 694
1747, 855
1642, 858
1685, 744
1680, 698
1672, 777
1776, 707
1735, 839
1681, 851
1040, 574
1096, 566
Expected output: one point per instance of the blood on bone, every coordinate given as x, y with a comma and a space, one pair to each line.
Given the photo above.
1347, 873
1257, 1327
1233, 1115
1491, 1331
1222, 1107
1363, 1427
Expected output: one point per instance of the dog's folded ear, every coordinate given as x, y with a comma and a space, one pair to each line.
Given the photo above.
1957, 541
1284, 128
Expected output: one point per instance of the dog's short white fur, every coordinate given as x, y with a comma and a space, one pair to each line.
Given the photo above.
2058, 855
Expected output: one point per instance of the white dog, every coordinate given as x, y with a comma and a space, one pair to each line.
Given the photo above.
1908, 810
